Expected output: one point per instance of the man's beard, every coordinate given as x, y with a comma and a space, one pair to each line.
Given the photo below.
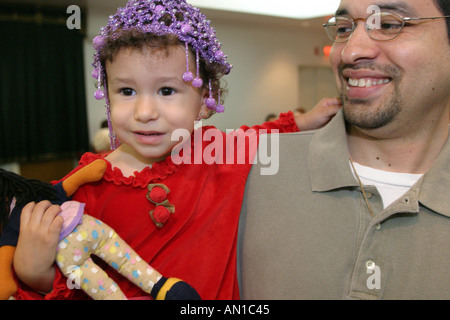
366, 117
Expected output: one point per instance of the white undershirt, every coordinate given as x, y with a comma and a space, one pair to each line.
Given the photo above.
390, 185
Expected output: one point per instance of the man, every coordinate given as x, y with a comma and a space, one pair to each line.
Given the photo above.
360, 209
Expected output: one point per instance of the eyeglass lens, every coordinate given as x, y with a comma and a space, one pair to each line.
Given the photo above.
379, 26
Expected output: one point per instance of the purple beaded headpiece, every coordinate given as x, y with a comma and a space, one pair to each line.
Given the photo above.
163, 17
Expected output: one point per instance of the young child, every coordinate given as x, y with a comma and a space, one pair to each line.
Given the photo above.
160, 66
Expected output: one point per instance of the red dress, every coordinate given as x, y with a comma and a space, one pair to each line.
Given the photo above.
196, 244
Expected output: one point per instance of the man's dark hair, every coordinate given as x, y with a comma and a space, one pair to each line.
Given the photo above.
444, 6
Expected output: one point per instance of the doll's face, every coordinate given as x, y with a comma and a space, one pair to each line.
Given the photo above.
149, 100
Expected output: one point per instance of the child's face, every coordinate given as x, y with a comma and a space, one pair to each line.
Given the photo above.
149, 99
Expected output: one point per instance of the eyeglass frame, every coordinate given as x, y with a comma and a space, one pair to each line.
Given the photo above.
403, 20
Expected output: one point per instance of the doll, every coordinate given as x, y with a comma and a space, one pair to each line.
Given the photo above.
81, 236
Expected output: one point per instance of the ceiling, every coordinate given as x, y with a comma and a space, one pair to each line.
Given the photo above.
294, 9
216, 11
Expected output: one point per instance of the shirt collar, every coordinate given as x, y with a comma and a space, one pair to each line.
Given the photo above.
329, 167
435, 186
328, 160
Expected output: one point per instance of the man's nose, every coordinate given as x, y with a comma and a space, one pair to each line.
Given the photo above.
360, 46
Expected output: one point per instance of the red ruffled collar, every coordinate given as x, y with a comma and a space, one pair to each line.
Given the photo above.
157, 172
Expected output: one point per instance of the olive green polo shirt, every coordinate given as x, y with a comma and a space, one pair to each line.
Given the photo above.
306, 232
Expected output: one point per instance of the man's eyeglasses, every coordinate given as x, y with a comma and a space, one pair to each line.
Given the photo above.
380, 26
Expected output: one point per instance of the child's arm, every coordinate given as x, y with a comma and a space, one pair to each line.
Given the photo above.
315, 118
38, 238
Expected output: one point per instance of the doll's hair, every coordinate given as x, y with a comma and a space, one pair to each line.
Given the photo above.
24, 190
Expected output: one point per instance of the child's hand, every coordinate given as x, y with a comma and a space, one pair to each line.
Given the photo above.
320, 115
36, 248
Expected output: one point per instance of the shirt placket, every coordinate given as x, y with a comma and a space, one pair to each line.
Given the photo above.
372, 264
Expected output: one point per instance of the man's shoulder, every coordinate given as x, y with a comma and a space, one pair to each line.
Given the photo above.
294, 138
306, 135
